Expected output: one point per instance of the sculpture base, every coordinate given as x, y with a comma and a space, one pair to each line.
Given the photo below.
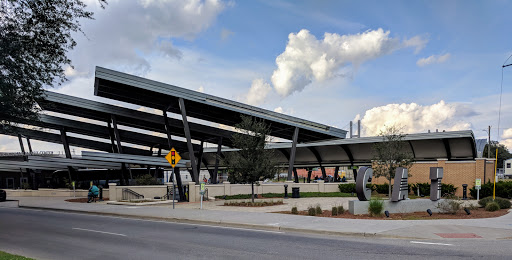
404, 206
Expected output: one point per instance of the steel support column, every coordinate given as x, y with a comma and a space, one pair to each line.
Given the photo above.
292, 153
177, 175
310, 170
119, 146
112, 138
67, 151
189, 141
217, 158
295, 175
29, 145
200, 157
336, 176
20, 139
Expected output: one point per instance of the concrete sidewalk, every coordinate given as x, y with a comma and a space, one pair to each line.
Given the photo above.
491, 228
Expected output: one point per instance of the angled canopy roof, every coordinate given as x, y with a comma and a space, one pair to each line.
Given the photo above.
149, 93
457, 145
95, 110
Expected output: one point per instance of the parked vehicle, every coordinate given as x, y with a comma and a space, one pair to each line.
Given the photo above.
3, 195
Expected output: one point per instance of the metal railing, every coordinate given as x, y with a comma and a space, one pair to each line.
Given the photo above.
130, 194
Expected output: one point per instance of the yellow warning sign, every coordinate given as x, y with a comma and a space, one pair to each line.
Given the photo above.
173, 157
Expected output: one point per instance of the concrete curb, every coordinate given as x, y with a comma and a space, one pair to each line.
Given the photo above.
226, 224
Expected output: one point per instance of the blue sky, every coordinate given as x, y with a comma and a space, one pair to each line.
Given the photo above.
420, 64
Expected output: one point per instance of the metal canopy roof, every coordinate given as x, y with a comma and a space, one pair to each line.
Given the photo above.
78, 127
95, 110
144, 92
74, 141
457, 145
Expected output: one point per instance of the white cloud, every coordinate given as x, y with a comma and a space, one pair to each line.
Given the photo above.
416, 41
416, 118
433, 59
258, 92
507, 134
126, 32
225, 34
307, 58
279, 110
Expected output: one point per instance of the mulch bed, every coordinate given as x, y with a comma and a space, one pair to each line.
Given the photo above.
475, 213
82, 200
250, 204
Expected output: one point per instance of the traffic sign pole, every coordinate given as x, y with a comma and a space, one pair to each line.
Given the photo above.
173, 189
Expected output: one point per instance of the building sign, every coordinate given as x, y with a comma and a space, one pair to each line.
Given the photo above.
400, 187
364, 176
436, 174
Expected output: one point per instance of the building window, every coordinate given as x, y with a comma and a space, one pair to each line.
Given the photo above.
508, 165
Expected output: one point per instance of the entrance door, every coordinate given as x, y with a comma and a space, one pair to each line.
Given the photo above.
10, 183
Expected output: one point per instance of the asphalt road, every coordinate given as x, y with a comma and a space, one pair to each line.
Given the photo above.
57, 235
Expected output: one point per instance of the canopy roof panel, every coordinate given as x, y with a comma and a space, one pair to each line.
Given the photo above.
456, 145
136, 90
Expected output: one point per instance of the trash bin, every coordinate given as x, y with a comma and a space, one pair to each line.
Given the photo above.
295, 193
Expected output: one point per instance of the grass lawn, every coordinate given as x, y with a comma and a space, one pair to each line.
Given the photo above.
281, 195
6, 256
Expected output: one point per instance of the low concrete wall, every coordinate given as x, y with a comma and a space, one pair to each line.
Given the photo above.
404, 206
149, 191
227, 188
51, 193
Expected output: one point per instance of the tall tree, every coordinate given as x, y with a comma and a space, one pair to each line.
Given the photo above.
35, 37
252, 162
390, 154
503, 153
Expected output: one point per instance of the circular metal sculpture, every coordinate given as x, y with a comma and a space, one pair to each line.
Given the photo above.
364, 176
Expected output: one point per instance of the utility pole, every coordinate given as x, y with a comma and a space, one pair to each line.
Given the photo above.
489, 143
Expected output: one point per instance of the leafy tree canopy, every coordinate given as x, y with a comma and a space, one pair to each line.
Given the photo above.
390, 154
252, 162
503, 153
35, 36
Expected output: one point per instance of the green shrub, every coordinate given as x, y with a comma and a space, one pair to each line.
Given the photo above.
147, 179
503, 203
503, 189
347, 187
492, 206
318, 209
375, 207
424, 188
311, 211
341, 210
447, 189
381, 188
295, 211
334, 211
483, 202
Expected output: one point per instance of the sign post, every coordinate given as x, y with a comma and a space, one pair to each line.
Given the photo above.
74, 193
203, 187
173, 158
478, 185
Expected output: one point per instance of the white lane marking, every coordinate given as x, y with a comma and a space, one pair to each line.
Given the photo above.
160, 221
429, 243
97, 231
245, 229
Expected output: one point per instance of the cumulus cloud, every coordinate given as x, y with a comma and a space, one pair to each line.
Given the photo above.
126, 32
416, 118
225, 34
507, 138
279, 110
418, 42
433, 59
307, 58
258, 92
